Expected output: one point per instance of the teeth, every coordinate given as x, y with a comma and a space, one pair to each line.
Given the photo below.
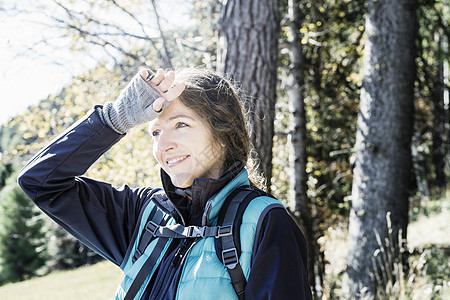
172, 161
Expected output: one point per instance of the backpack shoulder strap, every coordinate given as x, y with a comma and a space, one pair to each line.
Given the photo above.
145, 269
228, 247
158, 217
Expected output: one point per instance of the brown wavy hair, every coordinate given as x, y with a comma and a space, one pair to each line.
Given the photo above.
215, 99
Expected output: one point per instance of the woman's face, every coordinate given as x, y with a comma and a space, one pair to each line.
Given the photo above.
184, 147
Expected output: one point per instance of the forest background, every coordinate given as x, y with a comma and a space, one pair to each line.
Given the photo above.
356, 138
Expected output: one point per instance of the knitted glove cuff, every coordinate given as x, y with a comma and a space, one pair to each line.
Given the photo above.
133, 106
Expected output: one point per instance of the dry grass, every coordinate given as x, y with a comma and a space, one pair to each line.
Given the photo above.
426, 235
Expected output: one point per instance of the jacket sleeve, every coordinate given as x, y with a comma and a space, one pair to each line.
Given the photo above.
279, 260
99, 215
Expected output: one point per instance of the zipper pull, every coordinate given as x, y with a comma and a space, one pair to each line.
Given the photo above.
179, 254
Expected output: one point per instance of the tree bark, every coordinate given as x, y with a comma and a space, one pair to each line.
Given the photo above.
248, 51
382, 173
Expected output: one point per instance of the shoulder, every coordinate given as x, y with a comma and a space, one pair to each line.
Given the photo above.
259, 207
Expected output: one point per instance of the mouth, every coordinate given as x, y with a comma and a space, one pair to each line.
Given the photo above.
176, 161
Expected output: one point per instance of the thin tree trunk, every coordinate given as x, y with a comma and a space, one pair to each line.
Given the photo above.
248, 50
382, 173
299, 201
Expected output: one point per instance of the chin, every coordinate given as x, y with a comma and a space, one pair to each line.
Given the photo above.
182, 180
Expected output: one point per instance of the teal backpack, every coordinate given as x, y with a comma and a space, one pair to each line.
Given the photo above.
226, 233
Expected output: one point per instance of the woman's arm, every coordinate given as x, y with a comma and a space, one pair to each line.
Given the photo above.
101, 216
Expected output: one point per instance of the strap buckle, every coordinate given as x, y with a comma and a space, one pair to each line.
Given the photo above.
230, 258
225, 230
151, 227
195, 231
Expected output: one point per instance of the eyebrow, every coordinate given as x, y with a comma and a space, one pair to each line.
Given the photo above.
181, 116
178, 116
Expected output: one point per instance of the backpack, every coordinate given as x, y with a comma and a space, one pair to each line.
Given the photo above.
226, 233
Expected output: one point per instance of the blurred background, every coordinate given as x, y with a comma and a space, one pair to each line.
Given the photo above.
349, 116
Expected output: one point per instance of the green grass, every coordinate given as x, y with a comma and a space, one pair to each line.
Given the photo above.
95, 282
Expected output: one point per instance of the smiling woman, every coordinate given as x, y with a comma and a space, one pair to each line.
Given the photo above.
210, 233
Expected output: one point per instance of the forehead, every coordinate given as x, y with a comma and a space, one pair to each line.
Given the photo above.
175, 110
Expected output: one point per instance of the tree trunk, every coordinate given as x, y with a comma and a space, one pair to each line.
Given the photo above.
248, 51
382, 173
299, 201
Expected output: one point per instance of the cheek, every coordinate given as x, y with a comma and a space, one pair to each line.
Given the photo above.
156, 153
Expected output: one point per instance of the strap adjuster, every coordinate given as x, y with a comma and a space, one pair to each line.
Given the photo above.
230, 258
151, 227
225, 230
195, 231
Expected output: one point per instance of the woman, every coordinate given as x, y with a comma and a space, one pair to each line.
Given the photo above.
201, 143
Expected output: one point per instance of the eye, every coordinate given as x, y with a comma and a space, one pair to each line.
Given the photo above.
181, 125
155, 133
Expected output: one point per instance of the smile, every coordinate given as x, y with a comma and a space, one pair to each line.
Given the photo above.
176, 161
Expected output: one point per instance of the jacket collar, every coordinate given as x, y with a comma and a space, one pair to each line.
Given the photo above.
215, 203
203, 200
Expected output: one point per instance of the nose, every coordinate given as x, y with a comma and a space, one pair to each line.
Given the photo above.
165, 142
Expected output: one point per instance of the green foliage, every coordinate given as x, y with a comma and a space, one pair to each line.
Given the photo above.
66, 252
437, 266
332, 39
22, 242
431, 137
332, 47
5, 171
9, 139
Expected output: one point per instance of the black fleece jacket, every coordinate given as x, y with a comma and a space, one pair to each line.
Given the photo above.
106, 218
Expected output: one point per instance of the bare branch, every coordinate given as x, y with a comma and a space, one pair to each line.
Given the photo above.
101, 35
164, 41
131, 16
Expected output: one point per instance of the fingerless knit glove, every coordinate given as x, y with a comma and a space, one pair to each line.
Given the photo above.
133, 106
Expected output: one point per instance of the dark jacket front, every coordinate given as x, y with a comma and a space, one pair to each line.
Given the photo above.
105, 218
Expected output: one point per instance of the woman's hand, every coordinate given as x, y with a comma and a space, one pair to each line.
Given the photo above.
162, 83
142, 100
